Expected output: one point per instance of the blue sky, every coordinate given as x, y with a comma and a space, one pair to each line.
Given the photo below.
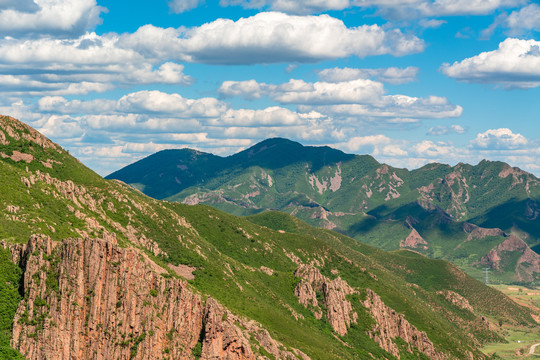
408, 81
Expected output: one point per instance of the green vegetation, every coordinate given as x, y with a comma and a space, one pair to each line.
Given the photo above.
10, 276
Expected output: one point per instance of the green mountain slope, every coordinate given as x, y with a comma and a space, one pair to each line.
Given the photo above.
258, 267
428, 209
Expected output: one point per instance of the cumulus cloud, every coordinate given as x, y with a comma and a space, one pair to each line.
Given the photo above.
362, 99
394, 108
391, 75
301, 92
291, 6
444, 130
408, 9
432, 149
271, 37
518, 22
141, 102
41, 17
499, 139
89, 63
391, 8
273, 116
516, 63
180, 6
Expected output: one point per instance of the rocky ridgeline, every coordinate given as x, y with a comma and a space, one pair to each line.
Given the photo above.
84, 299
389, 324
18, 130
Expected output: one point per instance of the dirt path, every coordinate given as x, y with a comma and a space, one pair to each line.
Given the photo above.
533, 347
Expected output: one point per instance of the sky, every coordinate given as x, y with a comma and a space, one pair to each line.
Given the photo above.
407, 81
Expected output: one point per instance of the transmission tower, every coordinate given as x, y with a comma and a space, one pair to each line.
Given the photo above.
486, 279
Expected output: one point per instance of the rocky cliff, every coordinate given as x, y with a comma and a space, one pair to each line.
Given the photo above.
84, 299
389, 325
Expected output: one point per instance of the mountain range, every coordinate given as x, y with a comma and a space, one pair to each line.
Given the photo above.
94, 269
481, 216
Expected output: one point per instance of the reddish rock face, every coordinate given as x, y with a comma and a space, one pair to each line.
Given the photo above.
339, 311
91, 299
390, 325
528, 264
414, 240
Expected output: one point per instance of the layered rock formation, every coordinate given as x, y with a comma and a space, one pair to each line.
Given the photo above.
339, 312
84, 299
391, 325
528, 264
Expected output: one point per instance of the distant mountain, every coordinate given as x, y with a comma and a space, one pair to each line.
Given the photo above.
430, 210
97, 269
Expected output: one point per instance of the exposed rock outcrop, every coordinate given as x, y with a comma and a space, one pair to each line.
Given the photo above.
477, 232
339, 312
390, 325
456, 299
231, 337
85, 299
414, 241
527, 267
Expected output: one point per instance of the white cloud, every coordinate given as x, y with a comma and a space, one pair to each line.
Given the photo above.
465, 7
528, 18
58, 17
141, 102
291, 6
516, 63
272, 116
392, 8
499, 139
61, 127
360, 98
180, 6
391, 75
301, 92
393, 108
89, 63
270, 37
444, 130
518, 22
432, 149
431, 23
376, 145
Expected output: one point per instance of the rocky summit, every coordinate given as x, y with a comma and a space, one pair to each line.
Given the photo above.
463, 214
94, 269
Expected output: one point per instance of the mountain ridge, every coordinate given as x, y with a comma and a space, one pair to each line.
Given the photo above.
353, 193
